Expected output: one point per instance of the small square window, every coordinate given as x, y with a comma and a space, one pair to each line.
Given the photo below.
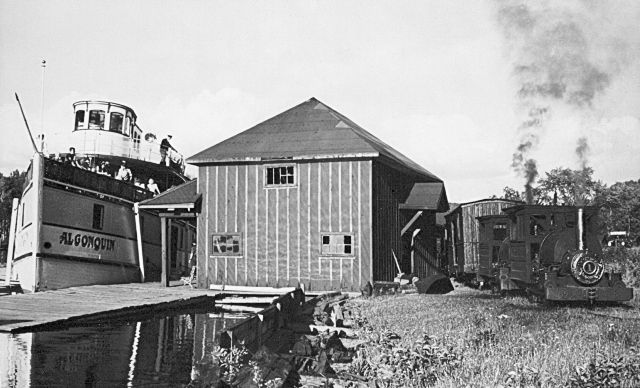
226, 244
336, 244
280, 176
499, 231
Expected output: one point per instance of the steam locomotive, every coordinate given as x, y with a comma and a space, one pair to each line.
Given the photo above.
552, 252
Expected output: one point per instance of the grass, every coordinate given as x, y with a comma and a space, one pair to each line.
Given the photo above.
475, 339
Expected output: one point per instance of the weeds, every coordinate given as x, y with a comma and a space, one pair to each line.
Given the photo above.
475, 341
625, 261
230, 361
605, 371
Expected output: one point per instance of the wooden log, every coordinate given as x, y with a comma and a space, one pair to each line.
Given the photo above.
230, 300
252, 290
304, 328
241, 308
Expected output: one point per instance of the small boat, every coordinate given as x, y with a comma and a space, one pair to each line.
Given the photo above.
76, 223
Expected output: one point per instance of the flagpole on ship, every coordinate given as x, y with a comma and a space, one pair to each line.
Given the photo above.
41, 136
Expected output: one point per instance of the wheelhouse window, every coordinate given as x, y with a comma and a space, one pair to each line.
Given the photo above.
98, 216
80, 120
336, 244
96, 119
115, 123
280, 176
226, 244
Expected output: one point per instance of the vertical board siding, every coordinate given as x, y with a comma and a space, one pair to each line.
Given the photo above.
465, 224
281, 227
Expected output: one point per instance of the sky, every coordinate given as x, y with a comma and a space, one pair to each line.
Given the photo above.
440, 81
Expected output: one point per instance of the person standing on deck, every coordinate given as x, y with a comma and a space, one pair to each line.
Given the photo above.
164, 148
124, 174
153, 187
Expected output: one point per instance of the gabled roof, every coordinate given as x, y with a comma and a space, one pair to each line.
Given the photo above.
310, 130
427, 196
180, 197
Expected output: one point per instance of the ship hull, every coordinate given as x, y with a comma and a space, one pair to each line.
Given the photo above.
68, 236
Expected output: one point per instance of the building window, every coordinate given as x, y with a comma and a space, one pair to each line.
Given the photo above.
115, 124
98, 216
337, 244
537, 225
96, 119
499, 232
280, 176
80, 124
226, 244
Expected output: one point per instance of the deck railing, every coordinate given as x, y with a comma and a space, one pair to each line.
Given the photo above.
97, 142
102, 184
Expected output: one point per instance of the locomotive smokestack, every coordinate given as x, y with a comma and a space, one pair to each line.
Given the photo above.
580, 228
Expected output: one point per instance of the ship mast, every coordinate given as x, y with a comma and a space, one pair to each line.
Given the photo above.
41, 137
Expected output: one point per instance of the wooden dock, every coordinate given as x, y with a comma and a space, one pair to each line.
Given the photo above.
27, 312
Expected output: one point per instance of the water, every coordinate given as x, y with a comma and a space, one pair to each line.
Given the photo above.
156, 351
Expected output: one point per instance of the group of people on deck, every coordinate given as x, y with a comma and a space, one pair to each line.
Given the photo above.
123, 174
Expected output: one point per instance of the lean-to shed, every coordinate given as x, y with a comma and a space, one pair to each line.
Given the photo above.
309, 197
463, 237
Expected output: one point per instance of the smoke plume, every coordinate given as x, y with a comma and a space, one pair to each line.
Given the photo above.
559, 56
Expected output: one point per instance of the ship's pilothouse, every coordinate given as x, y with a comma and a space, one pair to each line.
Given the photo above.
106, 134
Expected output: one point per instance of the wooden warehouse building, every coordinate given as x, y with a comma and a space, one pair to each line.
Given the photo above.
309, 197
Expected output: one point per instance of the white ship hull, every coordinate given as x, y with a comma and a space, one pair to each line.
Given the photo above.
68, 235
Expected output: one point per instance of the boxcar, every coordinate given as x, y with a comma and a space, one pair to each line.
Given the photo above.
463, 235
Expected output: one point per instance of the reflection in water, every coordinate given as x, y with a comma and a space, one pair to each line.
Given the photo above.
158, 351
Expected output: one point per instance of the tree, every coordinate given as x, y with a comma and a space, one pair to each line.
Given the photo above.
563, 186
10, 187
619, 204
514, 195
621, 207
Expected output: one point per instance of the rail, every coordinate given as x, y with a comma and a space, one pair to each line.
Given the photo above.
71, 175
99, 142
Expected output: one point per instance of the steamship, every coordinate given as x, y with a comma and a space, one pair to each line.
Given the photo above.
77, 226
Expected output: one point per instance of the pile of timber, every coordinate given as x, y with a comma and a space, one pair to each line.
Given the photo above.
292, 342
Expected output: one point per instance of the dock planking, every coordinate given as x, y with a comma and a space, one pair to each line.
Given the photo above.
75, 305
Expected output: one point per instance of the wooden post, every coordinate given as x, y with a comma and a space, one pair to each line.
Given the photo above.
38, 187
164, 278
169, 248
136, 211
12, 238
413, 240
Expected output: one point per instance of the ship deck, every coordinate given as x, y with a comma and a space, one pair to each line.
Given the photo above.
91, 304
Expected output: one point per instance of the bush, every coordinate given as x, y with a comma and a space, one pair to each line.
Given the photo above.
625, 261
609, 372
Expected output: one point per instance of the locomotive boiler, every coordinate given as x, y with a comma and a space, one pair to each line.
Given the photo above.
553, 252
